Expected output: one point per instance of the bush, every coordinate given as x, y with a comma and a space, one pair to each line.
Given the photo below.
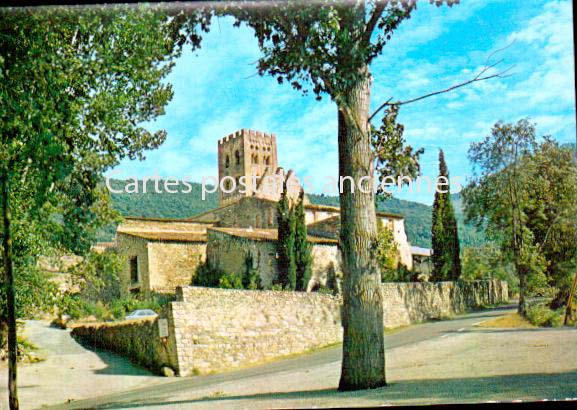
230, 281
488, 262
207, 275
214, 277
98, 276
77, 307
278, 287
541, 315
251, 277
326, 290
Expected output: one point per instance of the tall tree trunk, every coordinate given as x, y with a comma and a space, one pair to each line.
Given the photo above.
363, 364
10, 294
521, 309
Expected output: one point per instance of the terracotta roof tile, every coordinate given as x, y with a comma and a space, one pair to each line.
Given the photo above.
168, 236
267, 235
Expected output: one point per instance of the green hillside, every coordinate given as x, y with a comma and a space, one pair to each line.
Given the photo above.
417, 219
184, 205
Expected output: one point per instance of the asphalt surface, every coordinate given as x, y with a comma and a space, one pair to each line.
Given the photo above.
317, 359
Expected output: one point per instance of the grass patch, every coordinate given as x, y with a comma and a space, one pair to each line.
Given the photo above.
511, 320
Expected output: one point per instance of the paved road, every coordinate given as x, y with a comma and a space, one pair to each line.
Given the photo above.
317, 361
71, 371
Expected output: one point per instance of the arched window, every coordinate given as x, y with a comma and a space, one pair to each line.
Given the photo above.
227, 162
267, 160
255, 159
237, 156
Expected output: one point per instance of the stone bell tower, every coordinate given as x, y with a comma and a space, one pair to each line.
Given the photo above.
244, 153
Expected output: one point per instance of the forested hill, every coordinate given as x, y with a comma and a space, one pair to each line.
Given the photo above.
184, 205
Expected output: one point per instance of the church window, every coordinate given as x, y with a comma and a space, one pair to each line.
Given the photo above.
267, 160
227, 162
237, 156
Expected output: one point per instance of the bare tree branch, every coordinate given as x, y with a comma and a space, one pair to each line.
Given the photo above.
479, 77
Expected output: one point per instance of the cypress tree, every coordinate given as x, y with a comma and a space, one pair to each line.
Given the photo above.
303, 257
445, 239
285, 242
292, 266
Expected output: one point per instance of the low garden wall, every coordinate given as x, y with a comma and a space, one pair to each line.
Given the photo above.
217, 329
407, 303
137, 339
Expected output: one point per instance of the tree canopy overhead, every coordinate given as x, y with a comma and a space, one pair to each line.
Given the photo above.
76, 86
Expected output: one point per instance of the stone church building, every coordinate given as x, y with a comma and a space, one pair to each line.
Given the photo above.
162, 254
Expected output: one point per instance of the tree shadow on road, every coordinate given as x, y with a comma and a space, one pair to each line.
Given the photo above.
116, 363
526, 387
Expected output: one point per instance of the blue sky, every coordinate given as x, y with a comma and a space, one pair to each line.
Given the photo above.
217, 91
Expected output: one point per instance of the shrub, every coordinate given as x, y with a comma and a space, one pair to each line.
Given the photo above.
251, 277
326, 290
279, 287
77, 307
230, 281
387, 250
98, 276
207, 275
541, 315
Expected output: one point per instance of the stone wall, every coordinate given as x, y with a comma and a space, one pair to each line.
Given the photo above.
248, 212
214, 330
407, 303
219, 329
173, 264
131, 246
162, 265
326, 260
138, 340
229, 252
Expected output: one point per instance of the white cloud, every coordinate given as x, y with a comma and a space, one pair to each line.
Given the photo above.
216, 91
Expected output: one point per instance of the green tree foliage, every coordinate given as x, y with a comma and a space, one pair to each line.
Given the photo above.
97, 277
231, 281
499, 197
387, 254
394, 158
211, 276
488, 262
251, 277
551, 213
207, 275
75, 88
286, 242
444, 235
302, 248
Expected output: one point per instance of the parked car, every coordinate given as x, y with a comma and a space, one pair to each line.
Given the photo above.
141, 313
